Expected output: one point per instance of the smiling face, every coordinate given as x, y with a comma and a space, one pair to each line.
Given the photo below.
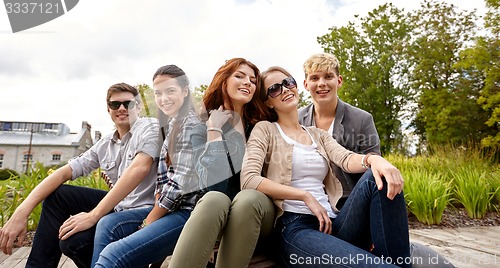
123, 117
169, 96
323, 86
287, 100
241, 85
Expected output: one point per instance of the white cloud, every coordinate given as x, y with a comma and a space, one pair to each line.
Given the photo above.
60, 71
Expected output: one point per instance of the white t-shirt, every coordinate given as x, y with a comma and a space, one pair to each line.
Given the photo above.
330, 129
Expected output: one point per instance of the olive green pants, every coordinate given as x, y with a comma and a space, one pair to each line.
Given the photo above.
239, 224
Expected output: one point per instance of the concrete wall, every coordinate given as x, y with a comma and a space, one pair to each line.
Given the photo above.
14, 155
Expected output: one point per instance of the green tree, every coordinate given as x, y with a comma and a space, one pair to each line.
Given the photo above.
447, 109
304, 99
148, 100
481, 65
375, 72
197, 94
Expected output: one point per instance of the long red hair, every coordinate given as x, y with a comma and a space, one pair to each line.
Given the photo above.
216, 93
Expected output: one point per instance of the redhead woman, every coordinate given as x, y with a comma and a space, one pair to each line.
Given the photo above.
237, 218
292, 165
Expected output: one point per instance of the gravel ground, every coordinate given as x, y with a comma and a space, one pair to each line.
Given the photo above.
452, 218
457, 217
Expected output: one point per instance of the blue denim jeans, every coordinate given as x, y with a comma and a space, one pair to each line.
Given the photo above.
367, 218
148, 245
116, 226
57, 207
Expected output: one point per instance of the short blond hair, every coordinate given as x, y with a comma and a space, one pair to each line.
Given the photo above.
322, 62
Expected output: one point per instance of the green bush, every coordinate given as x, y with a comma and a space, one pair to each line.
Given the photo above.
94, 180
16, 189
430, 184
472, 176
6, 173
3, 204
495, 188
426, 195
473, 191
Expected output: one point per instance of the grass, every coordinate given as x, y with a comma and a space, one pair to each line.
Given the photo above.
427, 195
474, 190
455, 176
495, 186
15, 190
449, 176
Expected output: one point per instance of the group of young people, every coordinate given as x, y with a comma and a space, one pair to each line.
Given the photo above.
249, 168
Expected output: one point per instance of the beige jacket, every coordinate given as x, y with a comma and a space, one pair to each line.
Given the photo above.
269, 156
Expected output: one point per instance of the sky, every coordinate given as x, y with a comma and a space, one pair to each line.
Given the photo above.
59, 72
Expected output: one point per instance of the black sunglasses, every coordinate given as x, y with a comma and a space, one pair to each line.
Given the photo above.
276, 89
115, 105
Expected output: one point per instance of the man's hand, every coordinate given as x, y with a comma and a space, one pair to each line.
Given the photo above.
76, 223
14, 228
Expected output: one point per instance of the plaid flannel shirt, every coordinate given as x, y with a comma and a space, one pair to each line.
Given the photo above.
177, 184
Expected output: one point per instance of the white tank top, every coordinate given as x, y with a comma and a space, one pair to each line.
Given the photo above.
309, 170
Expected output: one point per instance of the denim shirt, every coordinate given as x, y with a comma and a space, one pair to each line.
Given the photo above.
212, 166
115, 155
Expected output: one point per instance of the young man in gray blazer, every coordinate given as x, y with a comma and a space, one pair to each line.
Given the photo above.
353, 128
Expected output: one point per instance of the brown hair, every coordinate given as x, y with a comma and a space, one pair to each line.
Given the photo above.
216, 92
122, 87
174, 72
272, 116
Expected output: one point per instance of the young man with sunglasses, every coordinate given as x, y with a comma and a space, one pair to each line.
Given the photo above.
128, 157
351, 127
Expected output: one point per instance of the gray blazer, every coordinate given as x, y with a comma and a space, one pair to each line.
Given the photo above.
354, 129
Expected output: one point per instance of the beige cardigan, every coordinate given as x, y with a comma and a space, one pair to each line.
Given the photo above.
269, 156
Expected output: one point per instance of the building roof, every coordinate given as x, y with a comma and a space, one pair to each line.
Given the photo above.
23, 138
40, 133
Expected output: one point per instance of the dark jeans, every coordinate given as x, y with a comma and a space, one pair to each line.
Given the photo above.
148, 245
368, 217
58, 207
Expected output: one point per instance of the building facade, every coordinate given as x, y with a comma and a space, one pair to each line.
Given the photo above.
22, 144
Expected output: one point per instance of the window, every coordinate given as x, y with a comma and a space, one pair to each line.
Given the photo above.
1, 160
56, 157
7, 126
19, 126
25, 157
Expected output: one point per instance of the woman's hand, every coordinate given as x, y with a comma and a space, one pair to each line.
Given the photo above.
382, 168
325, 224
218, 117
